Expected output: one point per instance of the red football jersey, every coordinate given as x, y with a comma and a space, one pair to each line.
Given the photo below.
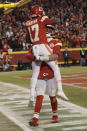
45, 71
37, 29
55, 44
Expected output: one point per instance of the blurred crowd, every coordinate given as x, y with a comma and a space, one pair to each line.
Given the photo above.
69, 18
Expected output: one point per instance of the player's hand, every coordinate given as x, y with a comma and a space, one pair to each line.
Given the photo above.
53, 57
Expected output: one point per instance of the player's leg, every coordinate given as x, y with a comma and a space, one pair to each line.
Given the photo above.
52, 94
35, 73
38, 50
57, 76
40, 90
35, 51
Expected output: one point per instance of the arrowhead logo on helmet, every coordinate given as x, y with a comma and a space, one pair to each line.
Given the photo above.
37, 11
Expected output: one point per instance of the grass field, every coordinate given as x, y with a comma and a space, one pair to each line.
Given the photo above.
74, 85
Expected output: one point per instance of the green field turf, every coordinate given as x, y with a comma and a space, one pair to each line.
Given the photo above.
77, 96
7, 125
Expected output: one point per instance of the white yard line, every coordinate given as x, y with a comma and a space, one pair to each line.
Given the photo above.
42, 110
74, 106
65, 105
66, 123
75, 128
10, 116
68, 104
60, 116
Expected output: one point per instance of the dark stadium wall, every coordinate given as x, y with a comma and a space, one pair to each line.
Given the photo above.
74, 56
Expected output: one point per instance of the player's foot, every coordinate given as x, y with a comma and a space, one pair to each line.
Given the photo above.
33, 122
54, 119
62, 95
31, 103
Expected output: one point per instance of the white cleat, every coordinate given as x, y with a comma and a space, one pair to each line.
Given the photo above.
62, 95
31, 103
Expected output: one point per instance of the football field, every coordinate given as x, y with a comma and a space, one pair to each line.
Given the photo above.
15, 113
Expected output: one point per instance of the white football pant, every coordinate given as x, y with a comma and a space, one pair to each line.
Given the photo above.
43, 85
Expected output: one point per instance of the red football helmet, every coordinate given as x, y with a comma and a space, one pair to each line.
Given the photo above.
37, 11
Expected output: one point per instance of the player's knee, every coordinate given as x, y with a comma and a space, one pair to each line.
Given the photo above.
53, 99
52, 92
39, 92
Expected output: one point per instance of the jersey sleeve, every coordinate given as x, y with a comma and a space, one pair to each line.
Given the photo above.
57, 47
46, 20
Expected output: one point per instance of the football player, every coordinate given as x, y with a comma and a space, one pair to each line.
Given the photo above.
40, 48
45, 81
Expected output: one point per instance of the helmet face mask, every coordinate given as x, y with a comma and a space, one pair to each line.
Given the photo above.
37, 11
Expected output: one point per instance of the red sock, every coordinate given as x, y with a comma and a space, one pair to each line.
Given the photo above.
38, 105
54, 103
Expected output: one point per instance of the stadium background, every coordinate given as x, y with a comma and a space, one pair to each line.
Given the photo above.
70, 20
